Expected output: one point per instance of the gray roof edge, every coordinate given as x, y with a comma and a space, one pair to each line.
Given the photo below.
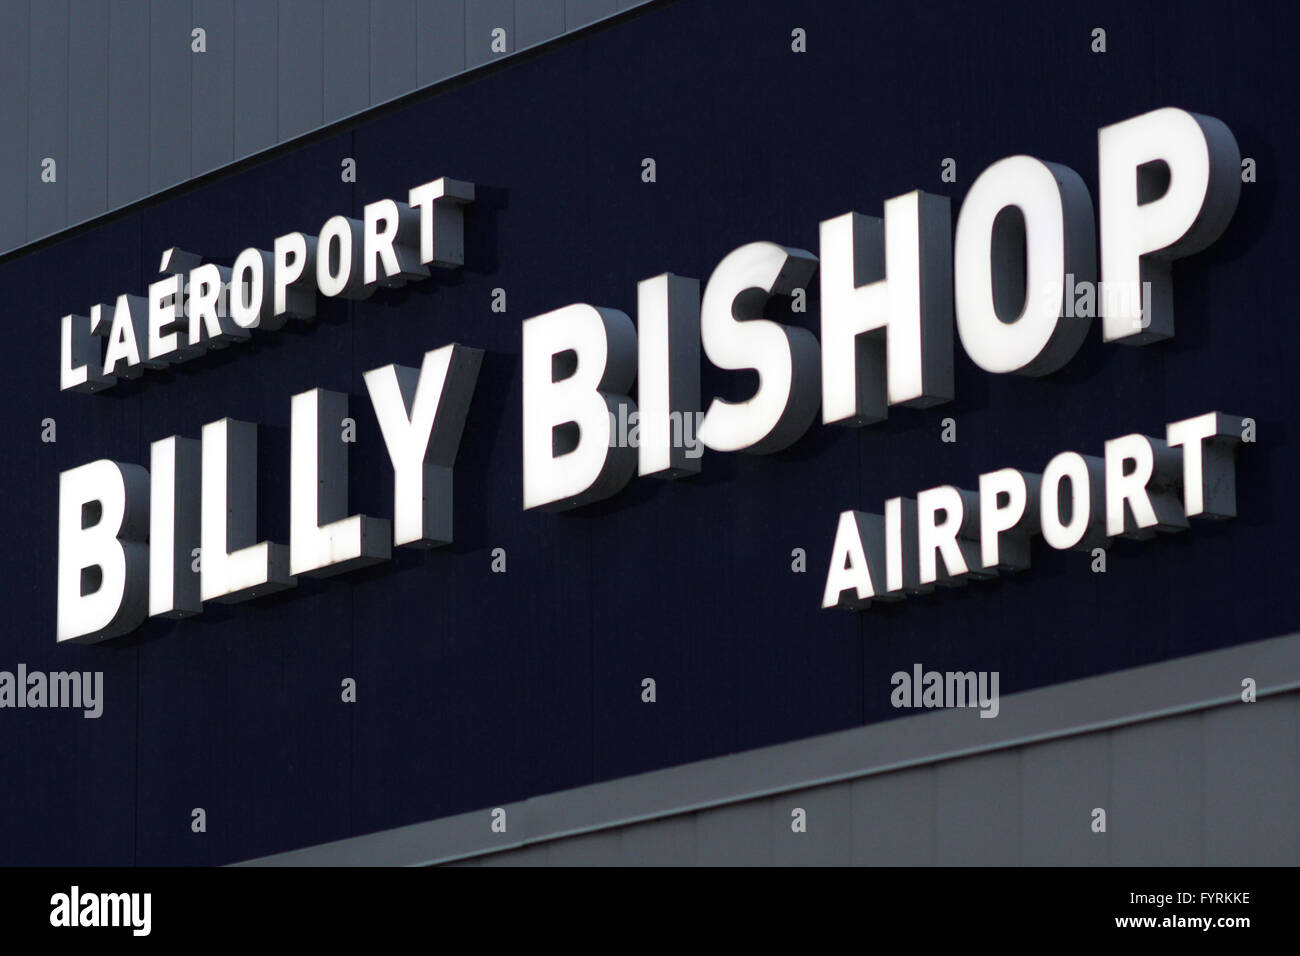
1150, 692
307, 136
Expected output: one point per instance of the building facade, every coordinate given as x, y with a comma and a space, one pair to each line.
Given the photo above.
650, 675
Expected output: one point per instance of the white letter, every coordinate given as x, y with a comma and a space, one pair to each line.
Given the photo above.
1086, 476
165, 335
902, 560
323, 538
233, 567
252, 300
339, 253
422, 414
1143, 230
578, 363
855, 562
396, 245
1209, 444
128, 336
668, 372
1013, 520
735, 336
295, 268
1150, 488
210, 323
886, 301
1024, 226
442, 220
80, 361
950, 538
103, 558
174, 467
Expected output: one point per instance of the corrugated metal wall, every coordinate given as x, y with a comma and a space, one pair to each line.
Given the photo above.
1217, 787
113, 92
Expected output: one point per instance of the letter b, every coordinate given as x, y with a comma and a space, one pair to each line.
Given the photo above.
578, 364
103, 577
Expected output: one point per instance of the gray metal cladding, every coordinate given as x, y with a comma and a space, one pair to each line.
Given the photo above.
127, 98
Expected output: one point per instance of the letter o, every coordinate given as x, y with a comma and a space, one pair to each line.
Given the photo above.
248, 273
1067, 466
1059, 239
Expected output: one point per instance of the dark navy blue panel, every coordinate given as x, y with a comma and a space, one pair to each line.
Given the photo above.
477, 688
69, 783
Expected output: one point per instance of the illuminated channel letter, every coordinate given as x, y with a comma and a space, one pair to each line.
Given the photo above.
1009, 514
323, 538
252, 298
392, 242
886, 309
856, 561
1072, 502
80, 357
668, 375
174, 481
951, 537
1143, 487
736, 336
1209, 443
578, 364
126, 327
1169, 183
234, 565
293, 287
211, 325
167, 340
103, 558
421, 413
902, 560
442, 220
1025, 236
340, 259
